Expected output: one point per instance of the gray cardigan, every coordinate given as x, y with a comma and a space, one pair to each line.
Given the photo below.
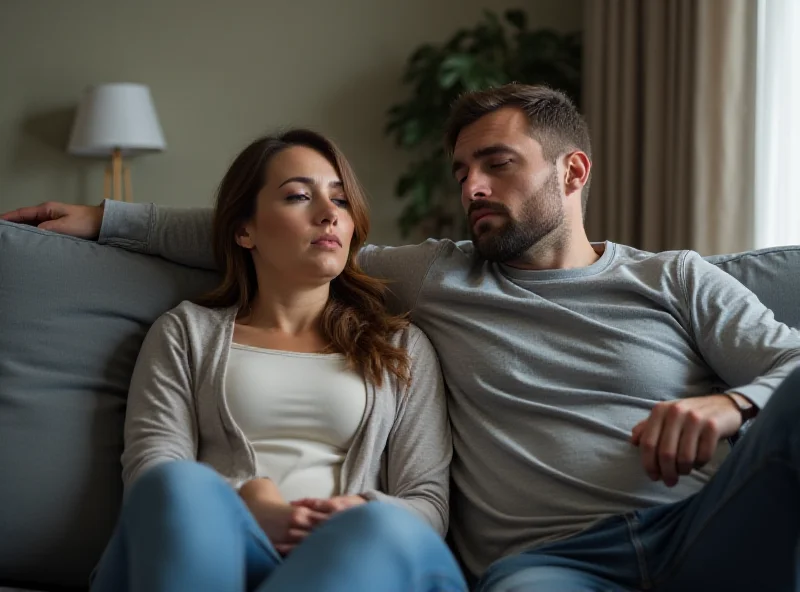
176, 410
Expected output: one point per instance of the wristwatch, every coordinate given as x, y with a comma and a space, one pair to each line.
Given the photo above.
745, 406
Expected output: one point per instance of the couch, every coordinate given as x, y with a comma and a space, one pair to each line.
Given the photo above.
72, 316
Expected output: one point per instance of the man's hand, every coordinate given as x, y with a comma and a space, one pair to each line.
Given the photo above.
682, 435
71, 219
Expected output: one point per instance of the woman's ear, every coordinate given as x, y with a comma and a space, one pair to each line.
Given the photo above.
243, 237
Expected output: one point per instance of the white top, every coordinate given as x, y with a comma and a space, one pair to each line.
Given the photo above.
299, 411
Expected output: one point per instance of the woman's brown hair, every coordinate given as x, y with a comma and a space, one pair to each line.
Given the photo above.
355, 321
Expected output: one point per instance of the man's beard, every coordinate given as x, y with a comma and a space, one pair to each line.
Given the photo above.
542, 213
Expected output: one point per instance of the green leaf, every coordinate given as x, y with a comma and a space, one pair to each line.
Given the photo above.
410, 133
449, 78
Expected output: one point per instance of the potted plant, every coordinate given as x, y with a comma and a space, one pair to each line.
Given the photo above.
492, 53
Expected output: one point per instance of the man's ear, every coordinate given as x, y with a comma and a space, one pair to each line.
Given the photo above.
576, 171
243, 238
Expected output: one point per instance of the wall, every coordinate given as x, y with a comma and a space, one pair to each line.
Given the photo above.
220, 73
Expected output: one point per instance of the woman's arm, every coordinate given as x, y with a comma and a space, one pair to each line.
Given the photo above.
160, 420
420, 445
161, 425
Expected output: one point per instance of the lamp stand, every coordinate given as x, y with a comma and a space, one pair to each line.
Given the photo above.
115, 175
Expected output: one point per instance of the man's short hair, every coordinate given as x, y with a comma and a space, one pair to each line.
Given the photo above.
554, 120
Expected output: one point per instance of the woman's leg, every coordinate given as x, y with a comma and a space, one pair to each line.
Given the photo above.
183, 527
372, 547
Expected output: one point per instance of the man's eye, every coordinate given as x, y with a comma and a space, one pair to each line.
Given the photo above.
498, 165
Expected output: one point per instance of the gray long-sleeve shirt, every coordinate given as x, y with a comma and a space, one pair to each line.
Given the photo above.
548, 371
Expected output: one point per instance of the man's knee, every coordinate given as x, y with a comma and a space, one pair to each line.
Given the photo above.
785, 401
549, 579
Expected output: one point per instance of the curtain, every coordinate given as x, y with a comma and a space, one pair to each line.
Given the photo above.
669, 95
777, 196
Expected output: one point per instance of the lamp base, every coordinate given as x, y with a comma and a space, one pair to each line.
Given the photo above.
115, 175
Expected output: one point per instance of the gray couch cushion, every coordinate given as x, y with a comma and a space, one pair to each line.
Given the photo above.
772, 274
72, 317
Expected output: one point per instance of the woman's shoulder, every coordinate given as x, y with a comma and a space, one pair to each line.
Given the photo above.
414, 341
191, 318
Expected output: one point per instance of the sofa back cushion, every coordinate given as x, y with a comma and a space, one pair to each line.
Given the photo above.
73, 315
772, 274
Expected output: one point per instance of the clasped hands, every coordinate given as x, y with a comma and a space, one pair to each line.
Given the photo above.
288, 524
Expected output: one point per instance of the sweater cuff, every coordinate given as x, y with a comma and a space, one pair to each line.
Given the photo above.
758, 395
126, 225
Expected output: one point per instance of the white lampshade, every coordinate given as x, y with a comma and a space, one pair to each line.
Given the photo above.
116, 116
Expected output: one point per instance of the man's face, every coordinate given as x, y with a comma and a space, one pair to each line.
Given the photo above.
511, 195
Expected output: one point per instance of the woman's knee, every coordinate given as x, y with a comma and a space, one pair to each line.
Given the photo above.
387, 524
171, 482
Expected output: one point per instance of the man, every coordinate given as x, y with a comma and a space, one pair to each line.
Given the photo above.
594, 387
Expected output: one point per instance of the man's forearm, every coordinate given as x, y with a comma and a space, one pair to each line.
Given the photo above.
181, 235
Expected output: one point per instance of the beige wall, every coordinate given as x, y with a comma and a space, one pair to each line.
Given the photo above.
220, 73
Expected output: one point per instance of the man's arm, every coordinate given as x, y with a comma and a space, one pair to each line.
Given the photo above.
743, 344
182, 235
737, 335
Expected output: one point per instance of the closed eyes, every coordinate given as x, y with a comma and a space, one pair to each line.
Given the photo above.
496, 165
299, 197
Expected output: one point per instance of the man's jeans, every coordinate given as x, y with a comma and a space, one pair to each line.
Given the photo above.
183, 528
740, 532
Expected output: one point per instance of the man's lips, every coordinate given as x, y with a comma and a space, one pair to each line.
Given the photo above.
479, 215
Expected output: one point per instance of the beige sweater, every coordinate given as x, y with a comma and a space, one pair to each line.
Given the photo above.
176, 410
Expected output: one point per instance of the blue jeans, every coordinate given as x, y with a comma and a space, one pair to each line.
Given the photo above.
182, 527
740, 532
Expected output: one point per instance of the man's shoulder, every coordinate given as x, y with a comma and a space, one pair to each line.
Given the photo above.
663, 270
663, 261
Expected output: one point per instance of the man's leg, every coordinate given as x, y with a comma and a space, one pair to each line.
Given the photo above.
183, 527
741, 532
376, 546
602, 558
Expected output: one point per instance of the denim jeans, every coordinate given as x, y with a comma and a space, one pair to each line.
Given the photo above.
182, 527
740, 532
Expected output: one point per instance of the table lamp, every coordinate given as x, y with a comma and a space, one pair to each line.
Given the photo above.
116, 120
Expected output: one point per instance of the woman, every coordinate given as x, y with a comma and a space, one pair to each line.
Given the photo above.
285, 432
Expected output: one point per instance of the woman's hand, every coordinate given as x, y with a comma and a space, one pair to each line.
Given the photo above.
332, 505
285, 525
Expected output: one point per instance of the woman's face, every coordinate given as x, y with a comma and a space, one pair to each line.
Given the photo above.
302, 227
